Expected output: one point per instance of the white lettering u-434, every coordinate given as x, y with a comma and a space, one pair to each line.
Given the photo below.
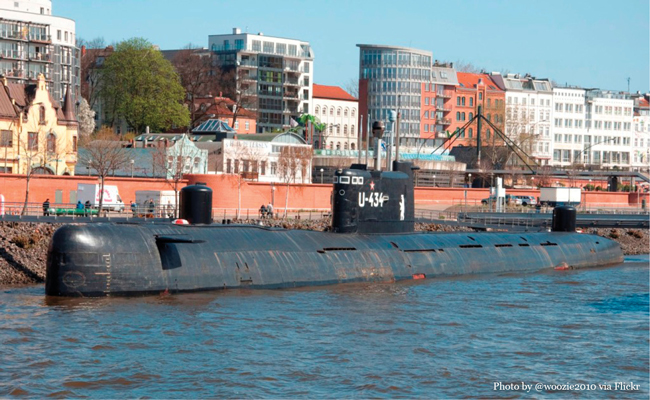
374, 199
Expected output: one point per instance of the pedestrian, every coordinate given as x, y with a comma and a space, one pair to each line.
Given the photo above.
152, 208
46, 207
263, 211
269, 210
87, 207
80, 205
134, 208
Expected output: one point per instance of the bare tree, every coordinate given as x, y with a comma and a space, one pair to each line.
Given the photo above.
31, 158
291, 165
352, 87
239, 86
175, 161
201, 81
105, 154
244, 161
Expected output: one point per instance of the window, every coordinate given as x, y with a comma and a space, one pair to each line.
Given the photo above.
32, 141
457, 115
471, 115
462, 101
58, 34
74, 143
324, 110
345, 113
480, 96
457, 101
471, 102
354, 113
6, 139
66, 36
41, 115
352, 130
471, 132
332, 112
338, 112
462, 116
247, 125
345, 130
51, 143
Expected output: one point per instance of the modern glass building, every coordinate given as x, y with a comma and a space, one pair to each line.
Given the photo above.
33, 42
391, 78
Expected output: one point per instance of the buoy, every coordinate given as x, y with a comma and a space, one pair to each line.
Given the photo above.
181, 222
419, 276
562, 267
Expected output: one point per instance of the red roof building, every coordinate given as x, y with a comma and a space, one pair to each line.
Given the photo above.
225, 109
476, 90
338, 110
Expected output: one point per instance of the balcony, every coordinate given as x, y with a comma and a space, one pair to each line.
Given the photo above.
40, 38
40, 57
247, 64
12, 54
288, 95
445, 95
292, 82
444, 121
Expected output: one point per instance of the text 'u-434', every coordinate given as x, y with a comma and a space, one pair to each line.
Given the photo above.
374, 199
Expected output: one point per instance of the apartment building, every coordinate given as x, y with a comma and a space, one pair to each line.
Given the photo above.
338, 110
476, 90
570, 139
528, 112
276, 73
33, 42
608, 140
436, 103
391, 79
641, 136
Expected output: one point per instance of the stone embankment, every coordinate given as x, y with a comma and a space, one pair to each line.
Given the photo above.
23, 246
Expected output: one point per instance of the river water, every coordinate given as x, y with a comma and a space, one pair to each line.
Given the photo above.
449, 338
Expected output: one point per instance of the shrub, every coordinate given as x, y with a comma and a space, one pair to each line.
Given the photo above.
614, 234
23, 241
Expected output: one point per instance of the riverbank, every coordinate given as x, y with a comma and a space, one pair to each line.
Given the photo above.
23, 245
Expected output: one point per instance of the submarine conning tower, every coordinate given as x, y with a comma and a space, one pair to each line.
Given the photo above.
366, 201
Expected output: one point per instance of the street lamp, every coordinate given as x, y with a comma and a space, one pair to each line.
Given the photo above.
132, 161
434, 181
469, 177
321, 175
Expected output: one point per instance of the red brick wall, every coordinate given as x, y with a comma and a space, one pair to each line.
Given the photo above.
254, 194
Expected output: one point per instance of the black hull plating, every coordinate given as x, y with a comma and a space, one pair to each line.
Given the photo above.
115, 259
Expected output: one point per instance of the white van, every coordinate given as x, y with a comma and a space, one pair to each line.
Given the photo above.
89, 192
164, 202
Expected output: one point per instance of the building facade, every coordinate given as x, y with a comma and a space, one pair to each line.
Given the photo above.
528, 113
570, 140
608, 140
390, 79
476, 90
641, 138
283, 158
339, 111
275, 73
436, 103
33, 42
37, 134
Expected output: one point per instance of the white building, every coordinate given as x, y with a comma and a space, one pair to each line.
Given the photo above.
282, 158
569, 129
33, 41
608, 142
528, 113
641, 136
277, 71
338, 110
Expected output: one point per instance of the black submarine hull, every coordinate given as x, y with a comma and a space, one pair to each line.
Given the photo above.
122, 259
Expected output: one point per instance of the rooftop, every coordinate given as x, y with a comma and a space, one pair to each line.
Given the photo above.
331, 92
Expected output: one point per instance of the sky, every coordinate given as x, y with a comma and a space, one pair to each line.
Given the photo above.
586, 43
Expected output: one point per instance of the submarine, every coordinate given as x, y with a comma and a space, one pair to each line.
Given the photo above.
371, 239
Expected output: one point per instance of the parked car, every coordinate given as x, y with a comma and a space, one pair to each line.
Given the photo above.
510, 200
528, 200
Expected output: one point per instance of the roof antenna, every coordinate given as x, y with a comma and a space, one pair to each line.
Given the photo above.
628, 85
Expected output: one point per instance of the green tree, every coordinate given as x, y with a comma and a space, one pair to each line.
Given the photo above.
143, 88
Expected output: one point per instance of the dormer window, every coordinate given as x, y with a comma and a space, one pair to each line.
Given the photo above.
41, 115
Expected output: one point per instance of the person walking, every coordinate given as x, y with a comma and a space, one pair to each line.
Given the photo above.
46, 207
263, 211
134, 208
152, 208
269, 210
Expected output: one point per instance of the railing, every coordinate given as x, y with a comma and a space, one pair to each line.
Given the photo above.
445, 95
445, 121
